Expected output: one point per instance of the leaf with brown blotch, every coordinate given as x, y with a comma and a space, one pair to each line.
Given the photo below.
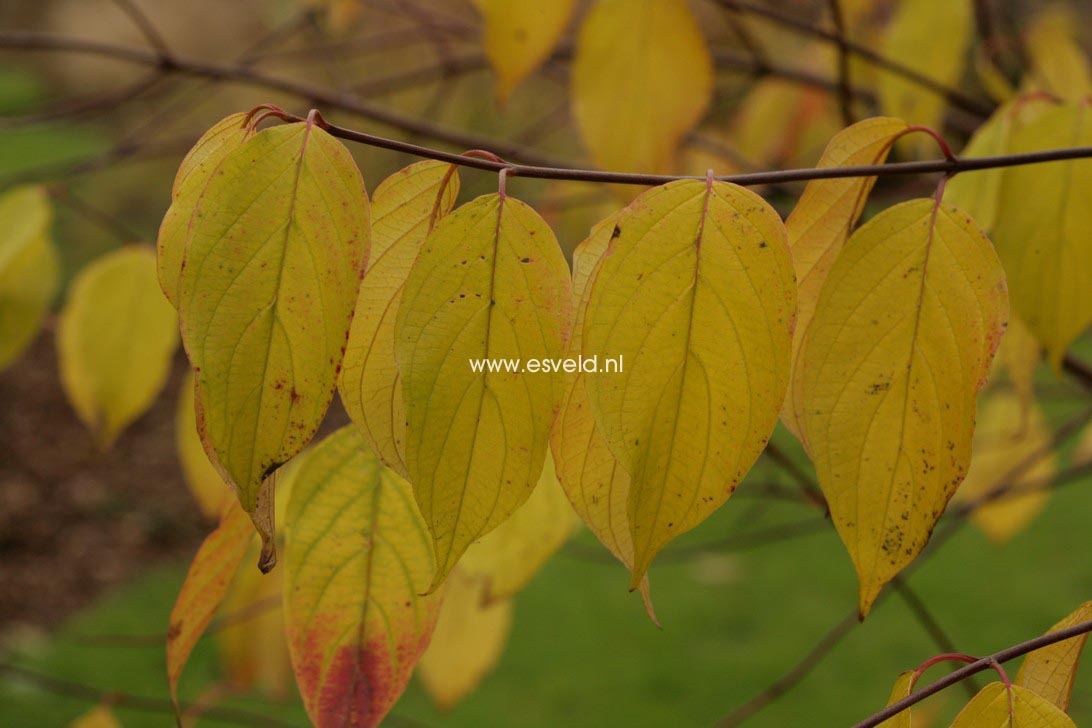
901, 341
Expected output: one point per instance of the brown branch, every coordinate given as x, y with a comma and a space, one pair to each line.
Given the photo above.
253, 77
954, 96
984, 663
746, 38
745, 65
145, 25
947, 166
845, 88
790, 679
93, 214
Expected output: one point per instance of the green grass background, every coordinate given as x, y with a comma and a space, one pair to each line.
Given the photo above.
582, 652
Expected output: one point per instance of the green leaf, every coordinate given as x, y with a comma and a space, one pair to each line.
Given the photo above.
489, 283
275, 254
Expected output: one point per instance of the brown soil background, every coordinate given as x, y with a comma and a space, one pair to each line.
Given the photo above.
75, 521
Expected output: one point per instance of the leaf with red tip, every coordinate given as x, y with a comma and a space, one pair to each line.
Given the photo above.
357, 557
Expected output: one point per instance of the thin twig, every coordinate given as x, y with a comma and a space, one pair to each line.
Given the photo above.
845, 87
790, 679
253, 77
746, 38
947, 166
141, 703
954, 96
984, 663
145, 25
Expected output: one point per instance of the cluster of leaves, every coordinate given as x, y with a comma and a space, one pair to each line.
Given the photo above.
406, 534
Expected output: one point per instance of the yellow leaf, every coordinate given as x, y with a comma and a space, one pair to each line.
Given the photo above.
642, 78
28, 268
251, 641
695, 298
996, 706
978, 192
507, 558
1049, 671
1006, 436
405, 208
594, 481
1043, 230
202, 478
469, 639
194, 173
1019, 356
207, 581
98, 717
904, 685
822, 220
271, 272
1058, 63
490, 283
357, 557
901, 340
519, 36
115, 340
930, 37
783, 123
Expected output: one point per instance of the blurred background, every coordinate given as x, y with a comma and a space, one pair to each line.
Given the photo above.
94, 542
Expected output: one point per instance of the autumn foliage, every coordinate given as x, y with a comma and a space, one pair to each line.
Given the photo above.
870, 329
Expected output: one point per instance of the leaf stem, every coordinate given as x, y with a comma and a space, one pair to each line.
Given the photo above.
983, 663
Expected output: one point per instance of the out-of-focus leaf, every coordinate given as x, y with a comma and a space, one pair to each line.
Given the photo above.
194, 173
641, 79
901, 340
272, 266
507, 558
1043, 230
904, 685
696, 296
469, 639
357, 558
1049, 671
1006, 435
28, 268
996, 706
489, 284
207, 581
1019, 356
203, 479
1059, 65
782, 123
595, 482
405, 208
822, 220
98, 717
519, 36
930, 37
978, 193
991, 78
251, 641
115, 341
